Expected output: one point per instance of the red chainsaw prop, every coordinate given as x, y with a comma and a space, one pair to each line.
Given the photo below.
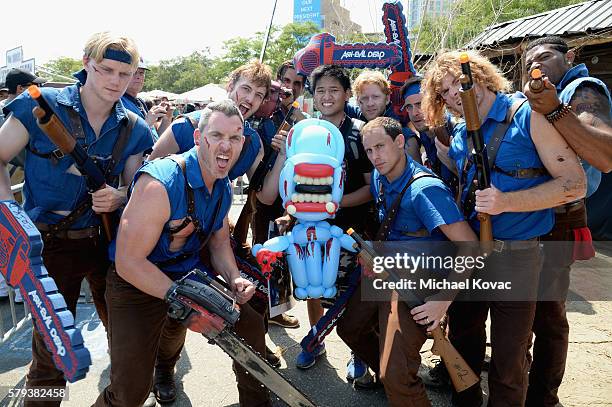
21, 265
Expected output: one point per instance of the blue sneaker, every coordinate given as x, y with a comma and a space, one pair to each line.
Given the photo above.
355, 368
306, 360
357, 372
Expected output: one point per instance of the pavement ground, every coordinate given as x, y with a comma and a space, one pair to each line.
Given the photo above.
206, 379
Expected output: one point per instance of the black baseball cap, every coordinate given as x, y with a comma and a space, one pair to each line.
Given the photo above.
18, 76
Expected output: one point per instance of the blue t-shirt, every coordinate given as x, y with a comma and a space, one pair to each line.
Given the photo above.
571, 81
516, 151
183, 134
53, 185
426, 204
171, 176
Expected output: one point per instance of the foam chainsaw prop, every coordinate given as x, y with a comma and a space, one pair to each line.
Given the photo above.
322, 50
207, 307
59, 135
461, 374
396, 32
21, 265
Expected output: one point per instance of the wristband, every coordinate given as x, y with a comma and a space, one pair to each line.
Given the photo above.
560, 111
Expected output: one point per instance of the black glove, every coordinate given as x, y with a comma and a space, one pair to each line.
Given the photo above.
200, 307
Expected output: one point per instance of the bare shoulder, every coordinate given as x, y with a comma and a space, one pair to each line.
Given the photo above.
590, 103
149, 195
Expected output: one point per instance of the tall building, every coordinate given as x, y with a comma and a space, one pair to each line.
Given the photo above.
329, 15
417, 9
337, 19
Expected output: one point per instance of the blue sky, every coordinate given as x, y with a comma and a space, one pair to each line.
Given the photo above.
162, 29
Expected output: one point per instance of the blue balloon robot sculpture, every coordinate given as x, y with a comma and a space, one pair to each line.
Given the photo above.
311, 186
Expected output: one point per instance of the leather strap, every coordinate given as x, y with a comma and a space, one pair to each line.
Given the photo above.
78, 133
124, 135
47, 231
522, 173
190, 218
385, 227
492, 150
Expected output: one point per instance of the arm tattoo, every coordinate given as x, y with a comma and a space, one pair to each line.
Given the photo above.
590, 100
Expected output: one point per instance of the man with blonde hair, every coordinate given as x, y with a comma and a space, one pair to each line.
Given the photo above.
373, 93
532, 171
56, 195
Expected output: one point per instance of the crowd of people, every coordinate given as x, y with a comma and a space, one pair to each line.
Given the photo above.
406, 179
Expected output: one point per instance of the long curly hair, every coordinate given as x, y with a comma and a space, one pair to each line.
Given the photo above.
483, 72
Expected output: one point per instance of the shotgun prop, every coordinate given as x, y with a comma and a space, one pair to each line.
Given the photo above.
53, 127
460, 372
472, 124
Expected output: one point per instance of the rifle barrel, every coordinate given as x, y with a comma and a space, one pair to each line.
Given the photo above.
536, 84
53, 127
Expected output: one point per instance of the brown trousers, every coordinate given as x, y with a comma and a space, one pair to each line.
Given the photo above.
173, 334
511, 324
550, 325
395, 353
136, 321
68, 262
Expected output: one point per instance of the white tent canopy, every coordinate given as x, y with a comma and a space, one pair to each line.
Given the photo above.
156, 94
206, 93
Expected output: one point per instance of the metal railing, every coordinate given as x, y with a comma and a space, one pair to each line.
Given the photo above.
15, 324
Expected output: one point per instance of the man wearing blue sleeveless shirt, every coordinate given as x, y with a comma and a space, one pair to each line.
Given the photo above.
248, 86
426, 212
534, 171
171, 212
587, 128
54, 189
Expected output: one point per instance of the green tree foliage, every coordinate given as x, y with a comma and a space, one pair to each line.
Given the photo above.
61, 69
181, 74
470, 17
287, 41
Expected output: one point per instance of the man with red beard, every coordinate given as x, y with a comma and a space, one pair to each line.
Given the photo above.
177, 205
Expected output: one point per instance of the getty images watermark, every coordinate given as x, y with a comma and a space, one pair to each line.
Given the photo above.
402, 263
512, 271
